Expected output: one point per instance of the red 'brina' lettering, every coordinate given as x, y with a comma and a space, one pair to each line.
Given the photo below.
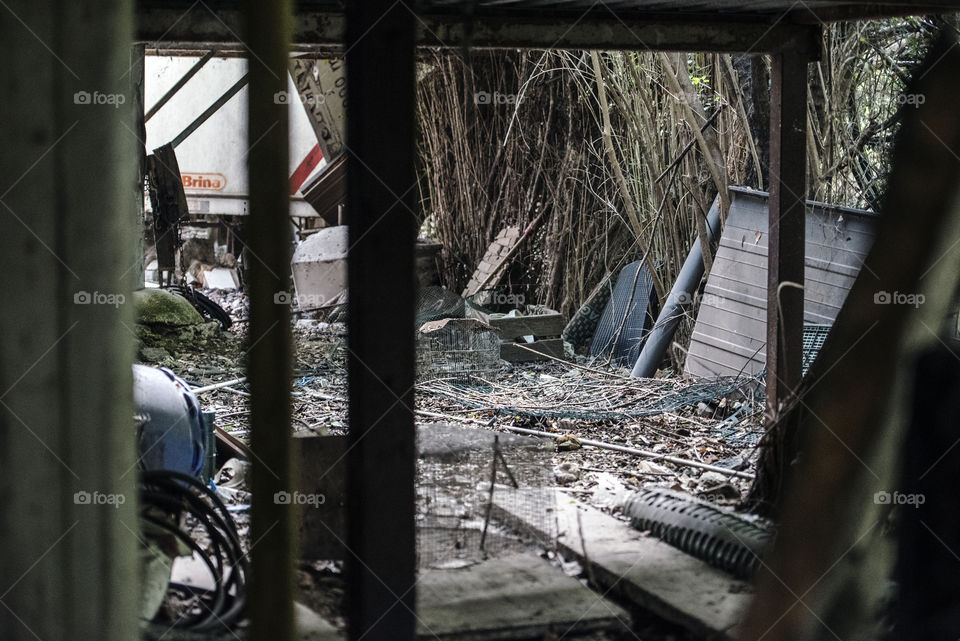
213, 182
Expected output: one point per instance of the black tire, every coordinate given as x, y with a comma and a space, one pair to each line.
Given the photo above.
206, 307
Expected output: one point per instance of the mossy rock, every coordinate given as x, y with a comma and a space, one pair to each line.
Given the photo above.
160, 307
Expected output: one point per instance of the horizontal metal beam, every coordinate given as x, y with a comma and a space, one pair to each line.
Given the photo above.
558, 33
803, 14
161, 29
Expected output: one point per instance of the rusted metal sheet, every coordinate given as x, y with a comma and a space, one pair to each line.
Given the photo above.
730, 334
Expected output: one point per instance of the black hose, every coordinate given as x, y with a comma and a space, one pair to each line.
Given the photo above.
206, 307
176, 493
724, 539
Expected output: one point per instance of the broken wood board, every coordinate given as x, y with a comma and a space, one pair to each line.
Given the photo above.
229, 446
502, 244
536, 351
646, 571
514, 597
541, 326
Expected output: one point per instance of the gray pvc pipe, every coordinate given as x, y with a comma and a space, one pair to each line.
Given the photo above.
680, 299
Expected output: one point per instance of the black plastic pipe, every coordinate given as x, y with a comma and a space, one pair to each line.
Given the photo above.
678, 302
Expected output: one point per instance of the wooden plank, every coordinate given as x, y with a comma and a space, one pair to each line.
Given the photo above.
860, 388
92, 166
381, 469
272, 525
519, 352
515, 597
645, 571
229, 446
67, 175
541, 326
164, 27
787, 228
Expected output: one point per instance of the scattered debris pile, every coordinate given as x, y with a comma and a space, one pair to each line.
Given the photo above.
584, 393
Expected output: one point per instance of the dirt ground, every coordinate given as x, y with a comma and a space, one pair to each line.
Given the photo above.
579, 400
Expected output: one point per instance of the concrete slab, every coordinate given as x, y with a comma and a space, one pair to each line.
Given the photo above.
648, 572
516, 597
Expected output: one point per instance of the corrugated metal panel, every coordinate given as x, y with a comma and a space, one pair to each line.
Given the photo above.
730, 334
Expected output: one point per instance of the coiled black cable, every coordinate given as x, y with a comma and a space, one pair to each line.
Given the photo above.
176, 493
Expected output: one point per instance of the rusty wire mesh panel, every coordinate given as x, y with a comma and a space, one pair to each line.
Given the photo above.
459, 520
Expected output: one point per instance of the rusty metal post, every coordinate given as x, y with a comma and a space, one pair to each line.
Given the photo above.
786, 240
381, 133
270, 598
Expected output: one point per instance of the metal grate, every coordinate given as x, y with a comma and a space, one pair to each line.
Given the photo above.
814, 336
459, 519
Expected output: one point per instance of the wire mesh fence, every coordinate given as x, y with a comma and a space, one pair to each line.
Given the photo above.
481, 494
